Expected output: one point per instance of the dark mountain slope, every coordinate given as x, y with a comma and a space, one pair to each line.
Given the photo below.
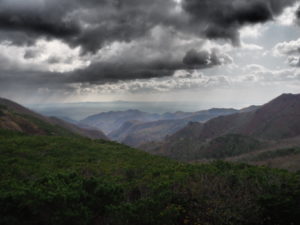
16, 117
276, 120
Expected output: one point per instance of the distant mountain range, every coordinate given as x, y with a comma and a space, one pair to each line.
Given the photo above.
266, 127
263, 135
81, 110
18, 118
113, 120
134, 127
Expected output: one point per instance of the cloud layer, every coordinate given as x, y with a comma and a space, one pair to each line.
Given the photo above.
61, 43
91, 24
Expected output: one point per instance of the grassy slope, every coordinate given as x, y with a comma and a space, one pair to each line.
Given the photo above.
67, 180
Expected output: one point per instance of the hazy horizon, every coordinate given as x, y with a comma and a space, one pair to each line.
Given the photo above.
80, 110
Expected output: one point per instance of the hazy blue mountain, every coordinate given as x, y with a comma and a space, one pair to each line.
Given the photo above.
138, 133
113, 120
81, 110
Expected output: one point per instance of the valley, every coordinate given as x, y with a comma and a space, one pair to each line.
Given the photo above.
57, 172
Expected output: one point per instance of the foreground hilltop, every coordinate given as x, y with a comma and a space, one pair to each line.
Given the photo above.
74, 180
18, 118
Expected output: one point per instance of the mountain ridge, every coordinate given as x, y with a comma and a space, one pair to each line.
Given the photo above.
14, 116
278, 119
151, 127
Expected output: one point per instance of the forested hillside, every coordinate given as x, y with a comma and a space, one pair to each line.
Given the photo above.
73, 180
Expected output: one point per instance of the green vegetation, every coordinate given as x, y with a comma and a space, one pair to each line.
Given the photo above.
231, 145
67, 180
2, 108
261, 156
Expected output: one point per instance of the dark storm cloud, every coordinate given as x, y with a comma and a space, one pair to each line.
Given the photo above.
34, 19
298, 13
107, 72
298, 16
91, 24
193, 57
99, 73
223, 18
204, 59
37, 24
136, 69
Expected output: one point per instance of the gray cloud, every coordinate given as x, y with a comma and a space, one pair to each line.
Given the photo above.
137, 68
298, 13
89, 24
288, 48
53, 60
92, 24
164, 84
30, 54
291, 50
204, 59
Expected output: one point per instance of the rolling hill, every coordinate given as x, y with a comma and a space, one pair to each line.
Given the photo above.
138, 133
134, 127
111, 122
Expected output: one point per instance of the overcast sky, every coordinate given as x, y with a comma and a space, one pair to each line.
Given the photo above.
216, 52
